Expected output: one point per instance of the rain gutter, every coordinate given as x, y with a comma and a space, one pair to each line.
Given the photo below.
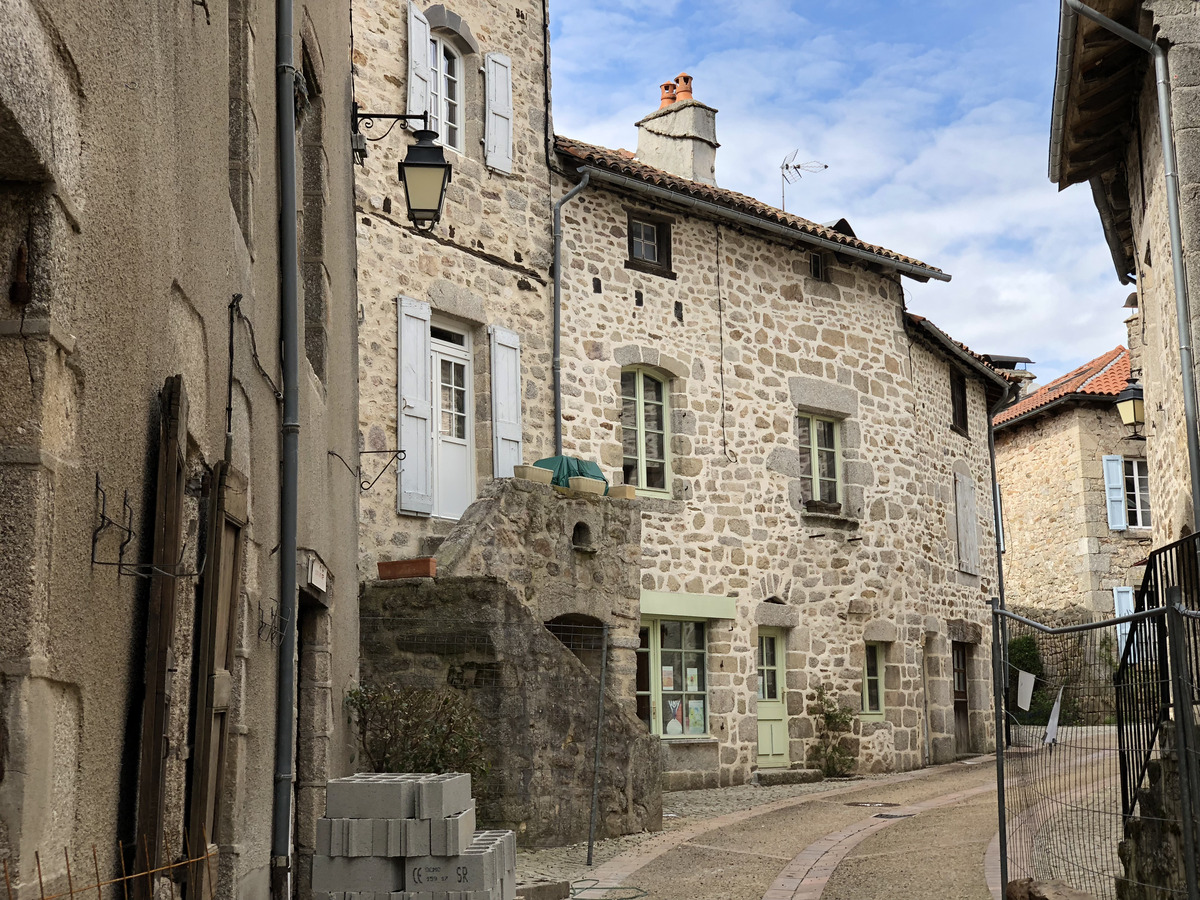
717, 211
1068, 25
289, 326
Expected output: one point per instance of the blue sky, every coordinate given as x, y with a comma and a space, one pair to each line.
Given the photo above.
933, 117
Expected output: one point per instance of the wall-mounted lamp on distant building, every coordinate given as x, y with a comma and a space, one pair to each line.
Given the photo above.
424, 171
1132, 409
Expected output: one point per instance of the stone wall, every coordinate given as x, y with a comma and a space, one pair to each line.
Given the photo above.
740, 364
1060, 551
486, 264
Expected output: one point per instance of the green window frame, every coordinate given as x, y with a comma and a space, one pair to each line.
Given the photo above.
645, 431
819, 442
769, 667
672, 677
872, 681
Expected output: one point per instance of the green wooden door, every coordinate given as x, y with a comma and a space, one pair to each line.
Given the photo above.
772, 710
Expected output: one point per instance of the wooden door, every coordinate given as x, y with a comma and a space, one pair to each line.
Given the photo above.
962, 728
218, 627
772, 708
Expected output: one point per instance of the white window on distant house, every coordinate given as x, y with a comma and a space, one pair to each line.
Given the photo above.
1127, 492
644, 431
872, 683
819, 444
672, 692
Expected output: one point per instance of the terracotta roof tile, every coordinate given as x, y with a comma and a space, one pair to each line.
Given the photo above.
1104, 376
617, 161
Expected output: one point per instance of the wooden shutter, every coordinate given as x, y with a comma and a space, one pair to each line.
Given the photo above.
414, 417
968, 523
160, 624
498, 118
217, 624
1123, 606
1114, 492
419, 74
506, 401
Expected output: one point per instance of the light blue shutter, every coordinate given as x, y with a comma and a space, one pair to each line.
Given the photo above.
419, 75
506, 401
1123, 605
414, 417
1114, 492
498, 118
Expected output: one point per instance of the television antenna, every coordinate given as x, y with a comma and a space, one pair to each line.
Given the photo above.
789, 172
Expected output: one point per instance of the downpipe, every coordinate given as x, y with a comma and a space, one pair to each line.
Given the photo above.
285, 703
1178, 266
569, 195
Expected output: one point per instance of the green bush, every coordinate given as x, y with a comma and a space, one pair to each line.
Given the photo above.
1024, 654
833, 721
408, 729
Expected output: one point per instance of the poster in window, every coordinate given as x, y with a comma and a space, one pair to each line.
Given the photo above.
675, 723
695, 717
668, 678
693, 680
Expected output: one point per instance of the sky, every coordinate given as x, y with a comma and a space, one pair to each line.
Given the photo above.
932, 115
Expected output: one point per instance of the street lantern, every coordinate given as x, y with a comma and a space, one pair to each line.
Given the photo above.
425, 174
1132, 409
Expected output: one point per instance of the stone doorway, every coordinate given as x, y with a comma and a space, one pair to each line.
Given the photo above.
959, 655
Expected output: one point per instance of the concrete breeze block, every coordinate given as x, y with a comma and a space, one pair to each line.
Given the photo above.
368, 874
453, 834
477, 869
372, 796
439, 796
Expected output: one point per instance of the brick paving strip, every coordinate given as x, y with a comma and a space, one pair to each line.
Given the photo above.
613, 873
804, 878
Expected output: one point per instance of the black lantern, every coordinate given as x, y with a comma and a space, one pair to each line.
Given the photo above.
1132, 409
425, 174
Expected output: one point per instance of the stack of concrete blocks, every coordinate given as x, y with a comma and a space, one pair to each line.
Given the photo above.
409, 837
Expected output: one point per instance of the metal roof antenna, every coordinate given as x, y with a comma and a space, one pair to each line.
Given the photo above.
789, 171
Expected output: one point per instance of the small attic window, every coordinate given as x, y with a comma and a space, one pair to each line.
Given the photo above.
816, 263
649, 243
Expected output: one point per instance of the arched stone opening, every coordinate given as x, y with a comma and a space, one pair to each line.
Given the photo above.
583, 636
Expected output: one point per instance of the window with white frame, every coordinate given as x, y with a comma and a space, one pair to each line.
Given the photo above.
818, 442
644, 431
1127, 492
445, 92
872, 683
672, 692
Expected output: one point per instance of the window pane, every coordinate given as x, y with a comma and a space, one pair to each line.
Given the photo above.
652, 390
829, 492
827, 464
630, 471
693, 666
671, 634
804, 431
643, 709
758, 658
768, 651
654, 446
629, 441
873, 704
769, 684
653, 415
697, 715
825, 432
693, 635
872, 662
629, 384
673, 715
806, 470
656, 476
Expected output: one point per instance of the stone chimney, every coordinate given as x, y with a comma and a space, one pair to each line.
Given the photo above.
680, 137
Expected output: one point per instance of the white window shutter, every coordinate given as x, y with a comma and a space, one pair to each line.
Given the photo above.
506, 401
414, 417
498, 121
419, 75
967, 515
1123, 606
1114, 492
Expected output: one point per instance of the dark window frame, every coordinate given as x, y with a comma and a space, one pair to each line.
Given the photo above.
818, 266
663, 226
959, 419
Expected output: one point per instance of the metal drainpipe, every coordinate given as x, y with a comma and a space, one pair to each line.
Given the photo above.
285, 116
558, 440
999, 721
1182, 304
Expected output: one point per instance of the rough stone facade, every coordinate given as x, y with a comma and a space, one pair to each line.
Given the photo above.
1059, 548
566, 559
138, 194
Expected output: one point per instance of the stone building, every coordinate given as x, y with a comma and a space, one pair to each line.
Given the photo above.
1075, 496
140, 424
1105, 132
810, 461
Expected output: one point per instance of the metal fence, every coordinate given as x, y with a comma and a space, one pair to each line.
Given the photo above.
1099, 769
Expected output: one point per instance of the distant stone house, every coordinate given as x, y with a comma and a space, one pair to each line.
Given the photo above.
813, 488
1075, 494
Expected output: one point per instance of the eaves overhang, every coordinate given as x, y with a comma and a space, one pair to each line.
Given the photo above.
1053, 407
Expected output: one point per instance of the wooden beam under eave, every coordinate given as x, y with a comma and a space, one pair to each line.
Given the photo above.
1076, 172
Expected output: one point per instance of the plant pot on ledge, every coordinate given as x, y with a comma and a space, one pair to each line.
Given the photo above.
586, 485
424, 567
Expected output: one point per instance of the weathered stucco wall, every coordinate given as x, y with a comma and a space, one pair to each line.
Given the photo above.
136, 240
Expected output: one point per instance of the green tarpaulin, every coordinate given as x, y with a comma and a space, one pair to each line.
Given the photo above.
567, 467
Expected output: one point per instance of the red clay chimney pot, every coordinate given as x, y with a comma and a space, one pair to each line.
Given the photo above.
668, 94
683, 86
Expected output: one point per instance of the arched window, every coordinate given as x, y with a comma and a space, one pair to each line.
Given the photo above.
445, 92
644, 432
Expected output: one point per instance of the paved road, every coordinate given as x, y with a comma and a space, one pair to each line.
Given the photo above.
816, 845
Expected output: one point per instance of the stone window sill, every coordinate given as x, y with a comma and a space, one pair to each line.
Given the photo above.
831, 520
662, 505
646, 268
690, 739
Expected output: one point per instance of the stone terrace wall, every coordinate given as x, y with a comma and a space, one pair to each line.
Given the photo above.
734, 525
485, 264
